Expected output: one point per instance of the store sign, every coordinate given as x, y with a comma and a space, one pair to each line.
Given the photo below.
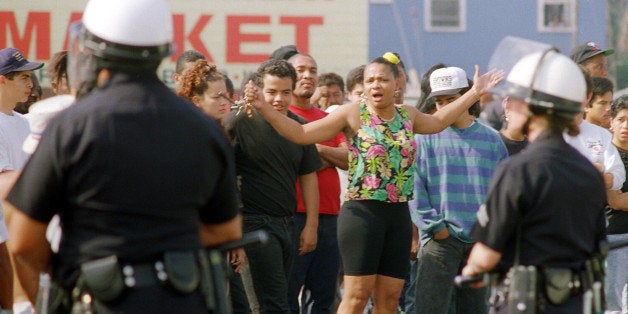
236, 35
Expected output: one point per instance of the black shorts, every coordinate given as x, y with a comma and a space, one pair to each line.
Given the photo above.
374, 238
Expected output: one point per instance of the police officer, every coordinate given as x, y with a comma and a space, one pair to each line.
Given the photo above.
550, 193
141, 179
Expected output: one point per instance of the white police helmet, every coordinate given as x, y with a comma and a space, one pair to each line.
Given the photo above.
145, 26
546, 79
125, 35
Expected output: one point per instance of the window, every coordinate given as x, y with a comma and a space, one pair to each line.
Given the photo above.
556, 16
445, 15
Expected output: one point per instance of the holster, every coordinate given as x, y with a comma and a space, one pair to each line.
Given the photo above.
522, 289
558, 285
107, 279
103, 278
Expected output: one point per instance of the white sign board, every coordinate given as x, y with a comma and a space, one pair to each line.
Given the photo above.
236, 35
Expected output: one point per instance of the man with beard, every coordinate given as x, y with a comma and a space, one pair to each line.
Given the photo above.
316, 271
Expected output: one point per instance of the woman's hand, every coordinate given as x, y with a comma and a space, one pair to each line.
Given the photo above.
486, 81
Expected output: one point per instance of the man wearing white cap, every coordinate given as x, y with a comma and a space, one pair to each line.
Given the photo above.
15, 86
451, 178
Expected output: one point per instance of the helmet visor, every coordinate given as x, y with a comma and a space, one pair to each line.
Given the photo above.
75, 55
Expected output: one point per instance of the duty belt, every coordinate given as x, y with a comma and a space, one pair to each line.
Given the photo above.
144, 275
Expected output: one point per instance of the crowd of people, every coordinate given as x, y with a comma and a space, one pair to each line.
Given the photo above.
113, 189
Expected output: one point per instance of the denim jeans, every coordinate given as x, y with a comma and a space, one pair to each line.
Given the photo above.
616, 282
439, 262
408, 294
316, 271
269, 264
237, 295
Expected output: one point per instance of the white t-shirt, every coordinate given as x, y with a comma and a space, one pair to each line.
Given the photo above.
13, 130
595, 143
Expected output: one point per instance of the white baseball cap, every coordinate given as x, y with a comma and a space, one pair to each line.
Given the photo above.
38, 116
447, 81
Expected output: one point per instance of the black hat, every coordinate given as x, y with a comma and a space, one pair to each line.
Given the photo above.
583, 52
284, 52
12, 60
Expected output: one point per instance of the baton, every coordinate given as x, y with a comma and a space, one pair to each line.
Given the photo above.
461, 281
248, 239
606, 246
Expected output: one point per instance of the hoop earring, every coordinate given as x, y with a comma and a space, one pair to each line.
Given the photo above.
396, 94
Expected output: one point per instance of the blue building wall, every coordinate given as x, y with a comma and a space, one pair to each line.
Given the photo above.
399, 26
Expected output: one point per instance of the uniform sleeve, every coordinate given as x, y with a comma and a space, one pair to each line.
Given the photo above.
430, 219
497, 217
38, 190
224, 203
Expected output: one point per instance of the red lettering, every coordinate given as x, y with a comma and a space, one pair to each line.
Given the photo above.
194, 37
235, 38
38, 22
302, 29
75, 16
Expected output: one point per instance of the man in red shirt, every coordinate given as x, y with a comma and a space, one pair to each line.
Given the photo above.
316, 272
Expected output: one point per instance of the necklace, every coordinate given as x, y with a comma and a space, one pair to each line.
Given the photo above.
394, 114
387, 120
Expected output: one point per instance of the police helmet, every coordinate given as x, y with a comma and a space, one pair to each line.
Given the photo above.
125, 35
548, 80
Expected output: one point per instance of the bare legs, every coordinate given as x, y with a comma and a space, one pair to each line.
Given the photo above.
358, 289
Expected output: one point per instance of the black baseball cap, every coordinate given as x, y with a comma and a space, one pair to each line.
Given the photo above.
284, 52
12, 60
583, 52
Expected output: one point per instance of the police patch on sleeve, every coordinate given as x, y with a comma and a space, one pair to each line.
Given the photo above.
482, 215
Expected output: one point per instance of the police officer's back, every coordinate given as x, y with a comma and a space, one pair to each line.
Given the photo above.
545, 206
135, 173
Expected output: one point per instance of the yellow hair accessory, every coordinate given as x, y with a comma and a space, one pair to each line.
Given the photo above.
391, 57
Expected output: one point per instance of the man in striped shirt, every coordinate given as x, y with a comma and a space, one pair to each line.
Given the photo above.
451, 180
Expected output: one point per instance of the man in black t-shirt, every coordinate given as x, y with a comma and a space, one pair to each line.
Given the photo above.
268, 166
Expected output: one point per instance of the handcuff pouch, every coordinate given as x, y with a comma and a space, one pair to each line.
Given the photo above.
103, 278
182, 270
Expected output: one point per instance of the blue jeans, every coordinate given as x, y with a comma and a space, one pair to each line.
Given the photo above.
616, 282
408, 294
316, 271
269, 264
239, 302
439, 262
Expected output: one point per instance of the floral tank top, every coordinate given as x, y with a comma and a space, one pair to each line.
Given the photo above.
381, 158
